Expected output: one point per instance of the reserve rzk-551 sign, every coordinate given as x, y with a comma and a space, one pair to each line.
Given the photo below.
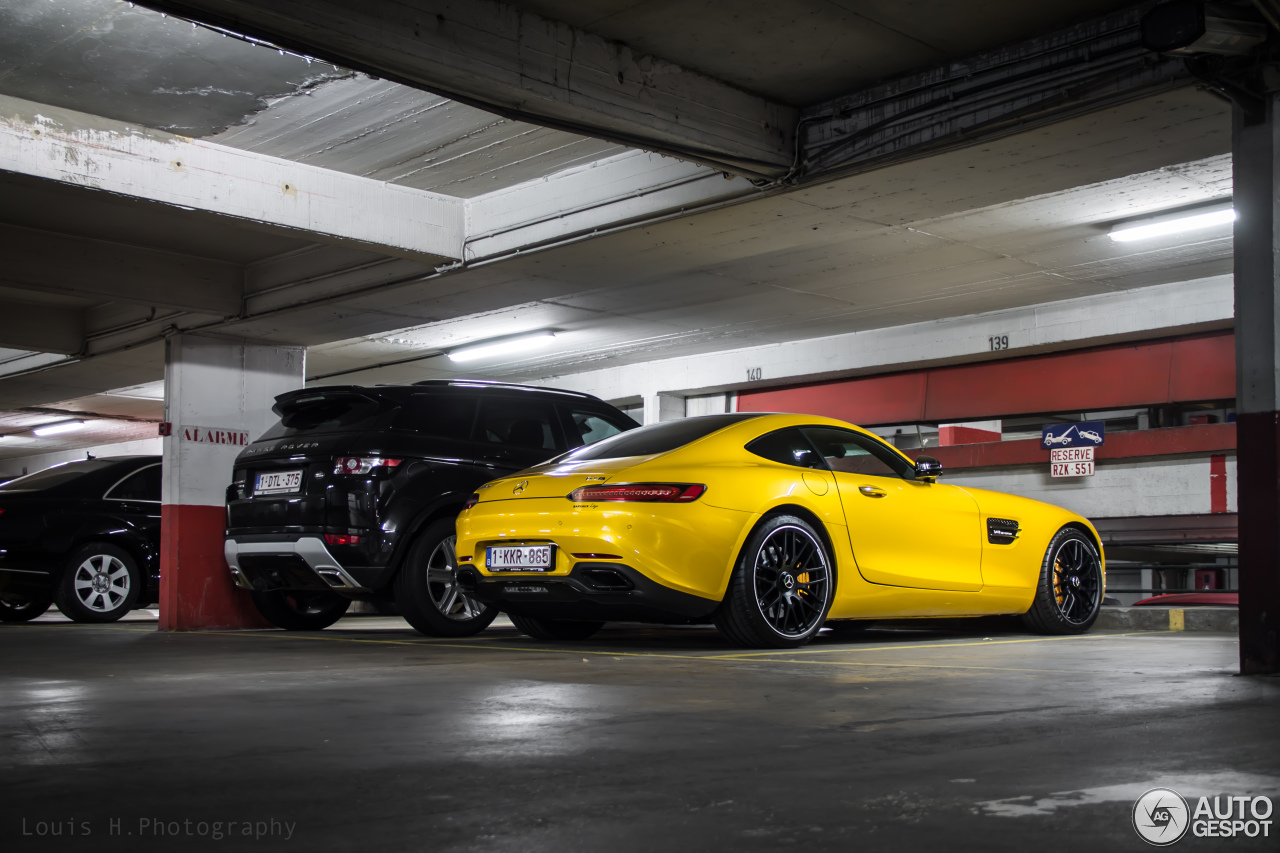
1071, 447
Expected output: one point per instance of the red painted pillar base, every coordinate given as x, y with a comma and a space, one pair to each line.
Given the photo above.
1258, 481
196, 591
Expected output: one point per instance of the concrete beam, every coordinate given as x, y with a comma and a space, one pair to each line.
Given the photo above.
320, 204
518, 64
586, 200
40, 328
1129, 314
58, 263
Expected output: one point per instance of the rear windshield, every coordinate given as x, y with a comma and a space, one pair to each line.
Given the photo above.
441, 415
328, 413
657, 438
57, 475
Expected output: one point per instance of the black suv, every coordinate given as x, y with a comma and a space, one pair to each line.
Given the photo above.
353, 494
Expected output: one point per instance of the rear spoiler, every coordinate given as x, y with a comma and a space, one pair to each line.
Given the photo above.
290, 400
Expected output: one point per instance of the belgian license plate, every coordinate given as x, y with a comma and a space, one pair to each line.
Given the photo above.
278, 482
522, 558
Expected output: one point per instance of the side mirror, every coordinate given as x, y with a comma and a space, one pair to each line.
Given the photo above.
928, 468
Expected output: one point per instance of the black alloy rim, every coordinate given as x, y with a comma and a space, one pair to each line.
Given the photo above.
792, 580
1077, 581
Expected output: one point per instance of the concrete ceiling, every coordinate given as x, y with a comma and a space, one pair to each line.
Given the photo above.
113, 59
800, 52
110, 58
382, 130
1010, 223
1013, 223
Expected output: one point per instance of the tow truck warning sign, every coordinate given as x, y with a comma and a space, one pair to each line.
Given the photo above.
1071, 462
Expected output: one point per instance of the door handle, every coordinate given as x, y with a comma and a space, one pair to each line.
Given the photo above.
872, 491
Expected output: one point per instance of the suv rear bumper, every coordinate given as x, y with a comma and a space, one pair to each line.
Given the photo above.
301, 563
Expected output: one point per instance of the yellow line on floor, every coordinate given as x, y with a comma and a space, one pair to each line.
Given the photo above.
754, 657
903, 665
426, 643
827, 651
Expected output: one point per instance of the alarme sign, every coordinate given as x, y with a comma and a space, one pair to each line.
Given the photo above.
214, 435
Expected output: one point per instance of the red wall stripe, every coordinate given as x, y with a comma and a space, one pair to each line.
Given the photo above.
1119, 445
1218, 483
950, 435
1199, 367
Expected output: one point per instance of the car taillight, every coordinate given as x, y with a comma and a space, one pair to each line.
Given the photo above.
471, 501
678, 493
341, 539
362, 464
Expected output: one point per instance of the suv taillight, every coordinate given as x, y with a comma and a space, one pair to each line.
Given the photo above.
472, 500
674, 493
362, 464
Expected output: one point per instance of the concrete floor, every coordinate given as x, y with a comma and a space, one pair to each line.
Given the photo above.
369, 737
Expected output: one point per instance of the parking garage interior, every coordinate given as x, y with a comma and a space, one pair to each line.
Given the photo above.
960, 226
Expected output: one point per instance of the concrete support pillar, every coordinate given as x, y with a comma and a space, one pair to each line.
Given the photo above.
218, 397
1255, 152
662, 407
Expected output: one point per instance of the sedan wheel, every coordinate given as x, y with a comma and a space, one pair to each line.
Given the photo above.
427, 591
1069, 594
781, 589
100, 584
22, 608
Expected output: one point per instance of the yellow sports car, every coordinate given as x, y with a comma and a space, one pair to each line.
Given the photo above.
771, 526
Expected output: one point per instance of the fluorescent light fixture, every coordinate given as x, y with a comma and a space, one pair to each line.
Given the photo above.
506, 346
55, 429
1174, 223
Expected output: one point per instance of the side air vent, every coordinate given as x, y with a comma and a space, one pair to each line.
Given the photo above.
1002, 531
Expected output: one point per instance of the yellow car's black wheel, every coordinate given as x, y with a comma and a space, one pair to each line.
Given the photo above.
781, 588
554, 629
1069, 593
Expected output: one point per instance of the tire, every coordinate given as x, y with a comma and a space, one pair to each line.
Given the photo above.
767, 604
100, 583
297, 610
385, 607
22, 608
427, 591
554, 629
1069, 592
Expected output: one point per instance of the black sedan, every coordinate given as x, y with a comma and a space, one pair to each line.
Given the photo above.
83, 534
